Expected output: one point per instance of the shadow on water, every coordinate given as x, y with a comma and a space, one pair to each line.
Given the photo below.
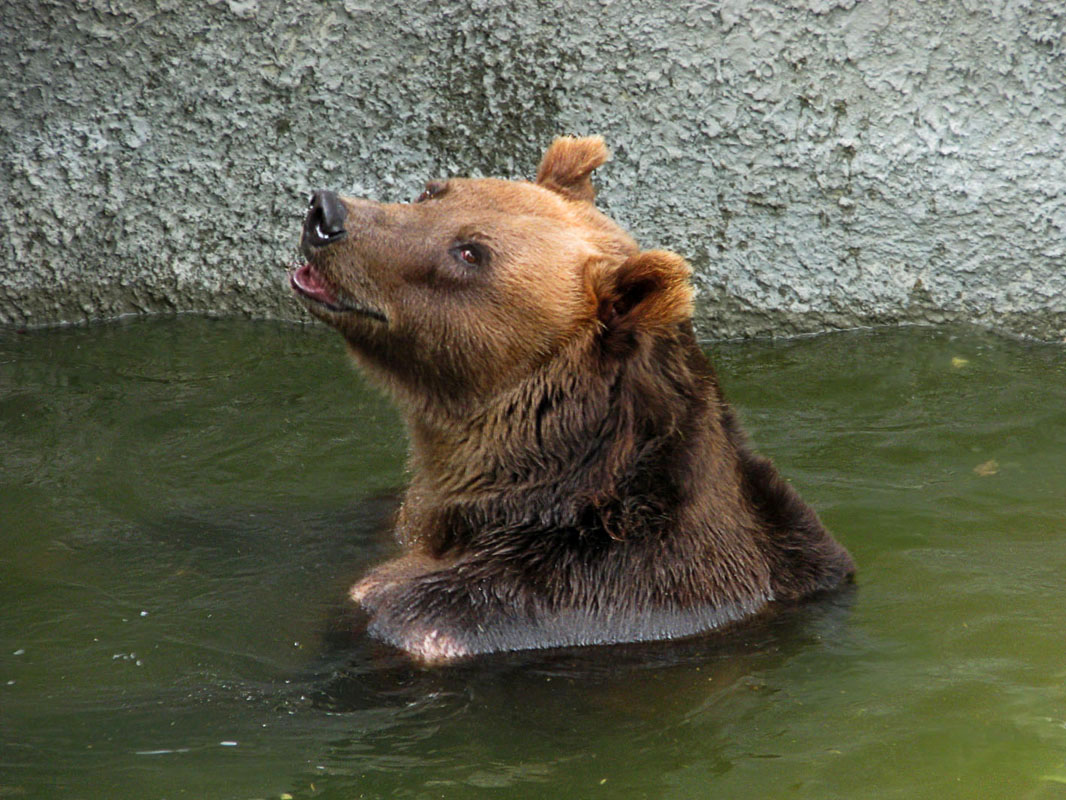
518, 720
351, 672
372, 672
373, 724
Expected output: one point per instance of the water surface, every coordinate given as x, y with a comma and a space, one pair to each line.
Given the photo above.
184, 501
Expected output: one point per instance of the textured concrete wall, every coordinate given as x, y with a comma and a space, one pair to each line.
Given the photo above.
823, 163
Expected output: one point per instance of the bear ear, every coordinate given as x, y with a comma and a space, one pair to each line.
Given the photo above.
650, 291
567, 164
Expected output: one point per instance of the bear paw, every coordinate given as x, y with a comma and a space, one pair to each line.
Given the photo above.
435, 647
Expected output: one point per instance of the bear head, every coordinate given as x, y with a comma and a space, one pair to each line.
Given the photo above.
454, 297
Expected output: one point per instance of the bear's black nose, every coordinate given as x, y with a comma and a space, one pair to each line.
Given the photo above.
325, 217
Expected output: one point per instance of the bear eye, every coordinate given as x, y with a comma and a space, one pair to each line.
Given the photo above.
470, 253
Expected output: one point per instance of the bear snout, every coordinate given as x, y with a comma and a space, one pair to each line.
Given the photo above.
324, 223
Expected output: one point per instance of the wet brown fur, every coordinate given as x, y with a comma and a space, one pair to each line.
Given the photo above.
577, 476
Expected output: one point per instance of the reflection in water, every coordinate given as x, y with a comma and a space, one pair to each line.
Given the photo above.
579, 701
184, 503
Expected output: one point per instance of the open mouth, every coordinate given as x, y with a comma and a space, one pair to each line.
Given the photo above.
311, 284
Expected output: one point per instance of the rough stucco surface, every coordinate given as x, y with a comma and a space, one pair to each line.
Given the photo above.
823, 163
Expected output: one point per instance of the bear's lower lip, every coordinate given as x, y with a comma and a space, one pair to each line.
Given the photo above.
309, 283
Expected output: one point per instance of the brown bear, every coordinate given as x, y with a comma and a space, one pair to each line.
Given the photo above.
577, 477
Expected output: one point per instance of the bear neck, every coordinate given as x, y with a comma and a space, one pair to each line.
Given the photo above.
592, 441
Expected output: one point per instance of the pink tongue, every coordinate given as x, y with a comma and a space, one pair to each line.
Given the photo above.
308, 281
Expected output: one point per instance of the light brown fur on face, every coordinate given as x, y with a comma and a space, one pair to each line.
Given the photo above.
543, 254
576, 475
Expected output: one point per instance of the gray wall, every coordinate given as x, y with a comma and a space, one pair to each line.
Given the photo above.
823, 163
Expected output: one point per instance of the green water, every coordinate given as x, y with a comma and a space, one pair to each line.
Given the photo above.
183, 502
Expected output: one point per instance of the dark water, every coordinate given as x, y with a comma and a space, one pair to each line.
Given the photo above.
183, 503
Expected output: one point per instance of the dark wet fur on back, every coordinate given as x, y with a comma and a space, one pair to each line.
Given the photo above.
598, 541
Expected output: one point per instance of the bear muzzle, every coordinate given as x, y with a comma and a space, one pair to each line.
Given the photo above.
324, 223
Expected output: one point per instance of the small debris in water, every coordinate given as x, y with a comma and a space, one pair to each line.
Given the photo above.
161, 752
